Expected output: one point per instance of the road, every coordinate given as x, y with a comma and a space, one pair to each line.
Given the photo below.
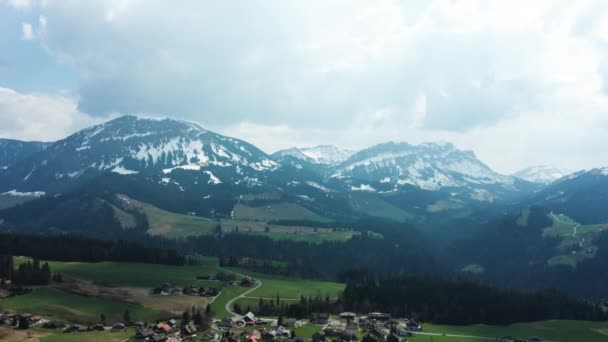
460, 336
258, 284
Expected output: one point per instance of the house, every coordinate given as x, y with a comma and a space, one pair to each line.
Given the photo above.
247, 281
162, 328
379, 316
54, 325
75, 328
392, 338
534, 339
348, 315
97, 327
268, 336
253, 336
118, 327
319, 318
229, 338
369, 338
190, 329
289, 322
249, 317
211, 336
172, 322
139, 324
142, 333
318, 337
351, 329
158, 338
413, 326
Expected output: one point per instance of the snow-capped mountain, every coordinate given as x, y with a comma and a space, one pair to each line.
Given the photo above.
322, 154
429, 166
542, 174
132, 145
12, 151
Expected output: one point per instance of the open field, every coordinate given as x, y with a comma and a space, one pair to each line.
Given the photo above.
279, 211
577, 240
93, 336
307, 331
135, 274
556, 331
174, 225
249, 220
60, 305
289, 288
218, 307
373, 205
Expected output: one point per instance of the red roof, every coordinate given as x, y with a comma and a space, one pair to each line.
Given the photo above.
163, 326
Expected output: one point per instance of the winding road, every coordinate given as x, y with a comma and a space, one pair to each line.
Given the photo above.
228, 307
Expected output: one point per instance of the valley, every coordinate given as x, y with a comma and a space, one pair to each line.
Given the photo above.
162, 221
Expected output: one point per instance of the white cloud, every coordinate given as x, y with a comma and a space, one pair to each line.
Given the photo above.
20, 4
27, 32
487, 75
39, 117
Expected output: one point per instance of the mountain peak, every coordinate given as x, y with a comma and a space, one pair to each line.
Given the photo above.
320, 154
542, 174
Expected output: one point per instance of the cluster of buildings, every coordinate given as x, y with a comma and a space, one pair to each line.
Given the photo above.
169, 331
169, 289
29, 320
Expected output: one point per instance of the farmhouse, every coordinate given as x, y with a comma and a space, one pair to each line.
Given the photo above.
319, 318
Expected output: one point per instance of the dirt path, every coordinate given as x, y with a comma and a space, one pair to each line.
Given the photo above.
13, 335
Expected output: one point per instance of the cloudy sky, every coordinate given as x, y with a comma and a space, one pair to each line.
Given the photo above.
519, 82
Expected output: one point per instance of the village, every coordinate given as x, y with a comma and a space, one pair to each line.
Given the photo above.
347, 326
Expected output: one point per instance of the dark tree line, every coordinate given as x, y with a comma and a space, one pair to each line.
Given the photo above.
445, 301
304, 308
79, 248
27, 273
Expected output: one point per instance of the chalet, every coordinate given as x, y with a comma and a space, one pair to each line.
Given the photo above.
348, 315
143, 334
296, 339
253, 336
118, 327
249, 317
289, 322
172, 322
139, 324
534, 339
54, 325
318, 337
211, 336
190, 329
229, 338
75, 328
369, 338
379, 316
506, 339
412, 325
351, 329
162, 328
319, 318
247, 281
97, 327
158, 338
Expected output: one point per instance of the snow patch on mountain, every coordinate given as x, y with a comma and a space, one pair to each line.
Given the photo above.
321, 155
24, 194
542, 174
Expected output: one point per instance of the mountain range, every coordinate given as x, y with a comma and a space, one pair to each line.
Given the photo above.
208, 173
408, 180
135, 175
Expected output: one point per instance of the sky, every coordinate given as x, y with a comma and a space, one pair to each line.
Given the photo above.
520, 83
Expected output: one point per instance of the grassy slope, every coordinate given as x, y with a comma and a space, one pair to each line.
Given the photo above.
563, 226
556, 331
218, 307
94, 336
53, 303
248, 219
136, 275
373, 205
279, 211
